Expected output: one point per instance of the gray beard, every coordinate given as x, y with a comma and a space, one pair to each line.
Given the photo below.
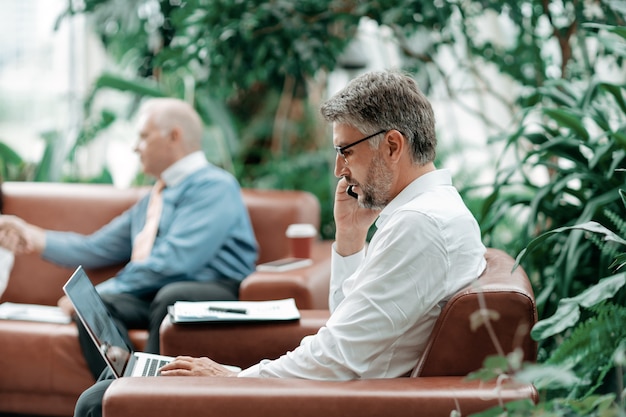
378, 184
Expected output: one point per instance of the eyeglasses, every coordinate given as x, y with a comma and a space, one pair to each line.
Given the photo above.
340, 149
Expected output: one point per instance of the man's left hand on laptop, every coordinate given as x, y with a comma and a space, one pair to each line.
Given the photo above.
188, 366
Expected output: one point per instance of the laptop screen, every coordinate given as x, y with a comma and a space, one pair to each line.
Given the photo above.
98, 321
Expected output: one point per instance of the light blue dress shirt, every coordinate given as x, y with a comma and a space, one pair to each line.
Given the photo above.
204, 234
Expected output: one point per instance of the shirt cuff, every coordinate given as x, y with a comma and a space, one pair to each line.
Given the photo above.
344, 266
51, 247
252, 372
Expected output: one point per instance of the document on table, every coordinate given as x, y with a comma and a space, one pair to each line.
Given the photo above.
33, 312
233, 311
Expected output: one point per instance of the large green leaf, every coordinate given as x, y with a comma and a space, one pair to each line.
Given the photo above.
557, 92
8, 155
618, 30
568, 311
620, 138
138, 86
591, 226
617, 92
547, 376
619, 262
569, 120
566, 316
8, 158
44, 171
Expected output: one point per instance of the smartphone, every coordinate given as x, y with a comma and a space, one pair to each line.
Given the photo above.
351, 193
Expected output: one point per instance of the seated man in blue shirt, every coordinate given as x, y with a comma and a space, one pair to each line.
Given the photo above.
204, 247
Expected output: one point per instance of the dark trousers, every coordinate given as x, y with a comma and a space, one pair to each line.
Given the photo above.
130, 312
89, 403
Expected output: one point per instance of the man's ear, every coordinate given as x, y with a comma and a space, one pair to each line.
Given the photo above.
396, 144
176, 134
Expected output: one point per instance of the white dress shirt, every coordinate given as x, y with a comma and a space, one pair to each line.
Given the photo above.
385, 299
181, 169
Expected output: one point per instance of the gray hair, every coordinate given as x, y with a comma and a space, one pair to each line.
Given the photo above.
170, 113
386, 100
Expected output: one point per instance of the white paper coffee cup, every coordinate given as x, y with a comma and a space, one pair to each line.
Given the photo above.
301, 237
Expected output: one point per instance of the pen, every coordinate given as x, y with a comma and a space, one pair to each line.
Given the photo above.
229, 310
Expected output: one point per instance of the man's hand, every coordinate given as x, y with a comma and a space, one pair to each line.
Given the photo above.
66, 305
11, 233
188, 366
351, 220
20, 237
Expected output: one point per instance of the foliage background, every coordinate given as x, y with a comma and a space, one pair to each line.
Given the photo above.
258, 69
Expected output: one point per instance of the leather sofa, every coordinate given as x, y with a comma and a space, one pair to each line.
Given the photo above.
462, 338
43, 370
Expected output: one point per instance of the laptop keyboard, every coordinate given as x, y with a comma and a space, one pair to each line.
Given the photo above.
152, 366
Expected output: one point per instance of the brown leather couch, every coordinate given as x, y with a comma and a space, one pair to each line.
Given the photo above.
42, 368
455, 348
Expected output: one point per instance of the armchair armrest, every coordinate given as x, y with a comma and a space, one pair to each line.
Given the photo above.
242, 344
308, 286
249, 397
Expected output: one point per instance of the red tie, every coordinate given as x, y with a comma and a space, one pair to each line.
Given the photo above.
145, 239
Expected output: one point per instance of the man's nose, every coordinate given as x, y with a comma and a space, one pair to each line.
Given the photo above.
341, 168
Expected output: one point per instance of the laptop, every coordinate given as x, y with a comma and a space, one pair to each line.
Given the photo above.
92, 312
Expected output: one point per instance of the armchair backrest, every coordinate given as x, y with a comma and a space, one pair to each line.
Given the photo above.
84, 208
506, 297
272, 211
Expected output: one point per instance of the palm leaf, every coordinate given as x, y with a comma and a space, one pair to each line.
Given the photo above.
568, 120
590, 226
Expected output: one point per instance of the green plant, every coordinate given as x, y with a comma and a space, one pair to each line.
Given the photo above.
265, 61
566, 152
14, 168
565, 181
584, 374
11, 164
597, 337
593, 347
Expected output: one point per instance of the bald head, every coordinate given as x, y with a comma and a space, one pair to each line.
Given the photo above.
170, 114
169, 130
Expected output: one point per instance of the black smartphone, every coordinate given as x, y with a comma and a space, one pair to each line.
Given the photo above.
351, 193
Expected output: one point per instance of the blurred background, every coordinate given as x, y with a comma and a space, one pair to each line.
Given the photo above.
72, 74
528, 95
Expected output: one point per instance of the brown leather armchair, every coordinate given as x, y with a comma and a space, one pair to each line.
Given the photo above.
439, 385
43, 369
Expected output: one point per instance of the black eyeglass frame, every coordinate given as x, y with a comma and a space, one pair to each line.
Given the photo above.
341, 149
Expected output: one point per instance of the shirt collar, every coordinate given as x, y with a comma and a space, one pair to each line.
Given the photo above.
419, 186
184, 167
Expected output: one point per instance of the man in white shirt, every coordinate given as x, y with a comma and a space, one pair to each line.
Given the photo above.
385, 296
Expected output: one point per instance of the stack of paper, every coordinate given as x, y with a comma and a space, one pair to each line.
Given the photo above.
33, 312
210, 311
